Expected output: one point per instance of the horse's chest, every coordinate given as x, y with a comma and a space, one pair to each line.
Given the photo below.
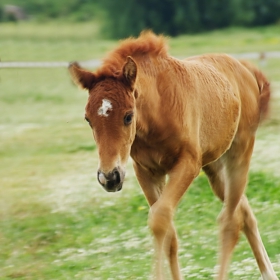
156, 158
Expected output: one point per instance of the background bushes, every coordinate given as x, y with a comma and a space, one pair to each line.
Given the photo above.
124, 18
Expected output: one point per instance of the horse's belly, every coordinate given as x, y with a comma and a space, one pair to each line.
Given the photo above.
219, 128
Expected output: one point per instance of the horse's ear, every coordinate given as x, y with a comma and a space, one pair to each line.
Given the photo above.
130, 71
83, 78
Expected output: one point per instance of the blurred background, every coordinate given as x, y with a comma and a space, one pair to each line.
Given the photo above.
56, 222
123, 18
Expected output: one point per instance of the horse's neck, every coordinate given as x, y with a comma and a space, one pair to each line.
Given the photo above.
151, 86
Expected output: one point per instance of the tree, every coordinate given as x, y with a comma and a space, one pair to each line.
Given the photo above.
174, 17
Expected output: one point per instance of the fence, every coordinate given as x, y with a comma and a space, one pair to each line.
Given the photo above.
95, 62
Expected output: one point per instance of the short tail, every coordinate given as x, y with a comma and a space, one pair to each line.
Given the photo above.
264, 88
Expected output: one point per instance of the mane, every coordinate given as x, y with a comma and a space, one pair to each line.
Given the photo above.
146, 44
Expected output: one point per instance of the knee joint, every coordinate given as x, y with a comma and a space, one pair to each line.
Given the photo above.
160, 219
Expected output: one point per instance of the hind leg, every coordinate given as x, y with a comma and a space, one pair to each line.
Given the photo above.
252, 233
229, 224
229, 219
228, 178
237, 207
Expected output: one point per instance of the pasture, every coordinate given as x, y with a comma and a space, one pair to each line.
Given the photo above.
56, 222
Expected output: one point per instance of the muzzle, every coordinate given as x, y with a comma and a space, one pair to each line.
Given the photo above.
111, 181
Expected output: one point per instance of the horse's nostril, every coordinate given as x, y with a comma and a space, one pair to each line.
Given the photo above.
117, 177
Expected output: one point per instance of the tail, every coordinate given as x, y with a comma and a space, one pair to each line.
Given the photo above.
264, 88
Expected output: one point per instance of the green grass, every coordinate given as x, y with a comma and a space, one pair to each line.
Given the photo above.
56, 41
56, 222
230, 40
102, 241
63, 41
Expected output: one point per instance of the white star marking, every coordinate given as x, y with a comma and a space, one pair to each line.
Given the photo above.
103, 110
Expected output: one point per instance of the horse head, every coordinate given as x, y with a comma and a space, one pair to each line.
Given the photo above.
110, 112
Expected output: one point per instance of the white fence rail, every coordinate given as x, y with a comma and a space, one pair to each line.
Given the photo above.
95, 62
47, 64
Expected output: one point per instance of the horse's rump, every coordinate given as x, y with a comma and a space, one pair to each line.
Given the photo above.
264, 88
229, 106
254, 94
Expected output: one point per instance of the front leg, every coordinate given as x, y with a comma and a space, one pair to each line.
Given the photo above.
152, 185
163, 208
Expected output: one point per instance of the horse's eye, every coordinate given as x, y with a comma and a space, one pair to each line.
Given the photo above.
128, 118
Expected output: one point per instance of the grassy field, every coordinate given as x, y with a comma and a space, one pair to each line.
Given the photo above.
56, 222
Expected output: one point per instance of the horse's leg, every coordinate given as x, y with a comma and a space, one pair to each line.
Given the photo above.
152, 186
236, 166
150, 183
252, 233
237, 214
230, 191
171, 250
161, 213
216, 175
237, 170
217, 178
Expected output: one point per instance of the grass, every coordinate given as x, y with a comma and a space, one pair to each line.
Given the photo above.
62, 41
56, 222
230, 40
56, 41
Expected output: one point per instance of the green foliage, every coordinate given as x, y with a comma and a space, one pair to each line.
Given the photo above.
77, 10
126, 18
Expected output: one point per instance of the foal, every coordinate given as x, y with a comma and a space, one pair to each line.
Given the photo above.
173, 118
